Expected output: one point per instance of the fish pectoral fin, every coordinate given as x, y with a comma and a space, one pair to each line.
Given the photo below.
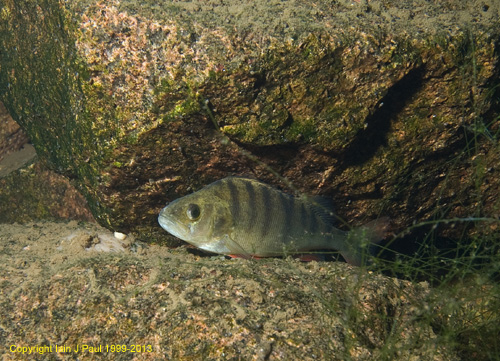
225, 245
216, 246
235, 248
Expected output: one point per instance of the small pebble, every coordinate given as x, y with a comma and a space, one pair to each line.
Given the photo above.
120, 236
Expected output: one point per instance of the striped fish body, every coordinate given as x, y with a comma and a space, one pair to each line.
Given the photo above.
245, 217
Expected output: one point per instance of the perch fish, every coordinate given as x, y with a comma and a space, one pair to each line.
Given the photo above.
243, 217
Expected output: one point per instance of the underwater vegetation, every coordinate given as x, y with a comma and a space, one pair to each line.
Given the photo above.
384, 118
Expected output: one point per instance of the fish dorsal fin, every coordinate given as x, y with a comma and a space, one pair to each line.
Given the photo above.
323, 207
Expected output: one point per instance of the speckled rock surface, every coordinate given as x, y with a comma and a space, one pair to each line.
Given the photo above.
58, 290
29, 190
388, 107
12, 137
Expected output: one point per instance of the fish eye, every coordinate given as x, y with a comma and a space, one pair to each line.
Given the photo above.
193, 212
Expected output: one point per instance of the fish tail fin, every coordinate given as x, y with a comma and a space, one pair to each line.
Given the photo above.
360, 240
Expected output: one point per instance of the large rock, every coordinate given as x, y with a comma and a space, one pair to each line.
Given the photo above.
387, 107
29, 190
59, 290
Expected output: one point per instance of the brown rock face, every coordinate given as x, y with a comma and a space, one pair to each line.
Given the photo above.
385, 107
12, 137
28, 189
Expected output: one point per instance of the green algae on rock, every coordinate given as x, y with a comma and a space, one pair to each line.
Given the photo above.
366, 103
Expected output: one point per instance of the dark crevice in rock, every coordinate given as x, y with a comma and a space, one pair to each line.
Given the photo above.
491, 116
368, 140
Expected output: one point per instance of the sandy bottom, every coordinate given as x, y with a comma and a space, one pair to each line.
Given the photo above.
75, 291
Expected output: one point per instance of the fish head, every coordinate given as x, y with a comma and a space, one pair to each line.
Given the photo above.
201, 219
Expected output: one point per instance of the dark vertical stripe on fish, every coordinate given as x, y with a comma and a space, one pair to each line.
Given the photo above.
287, 204
314, 219
234, 200
252, 204
265, 197
305, 218
218, 191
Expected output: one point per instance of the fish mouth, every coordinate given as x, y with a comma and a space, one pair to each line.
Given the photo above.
172, 226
